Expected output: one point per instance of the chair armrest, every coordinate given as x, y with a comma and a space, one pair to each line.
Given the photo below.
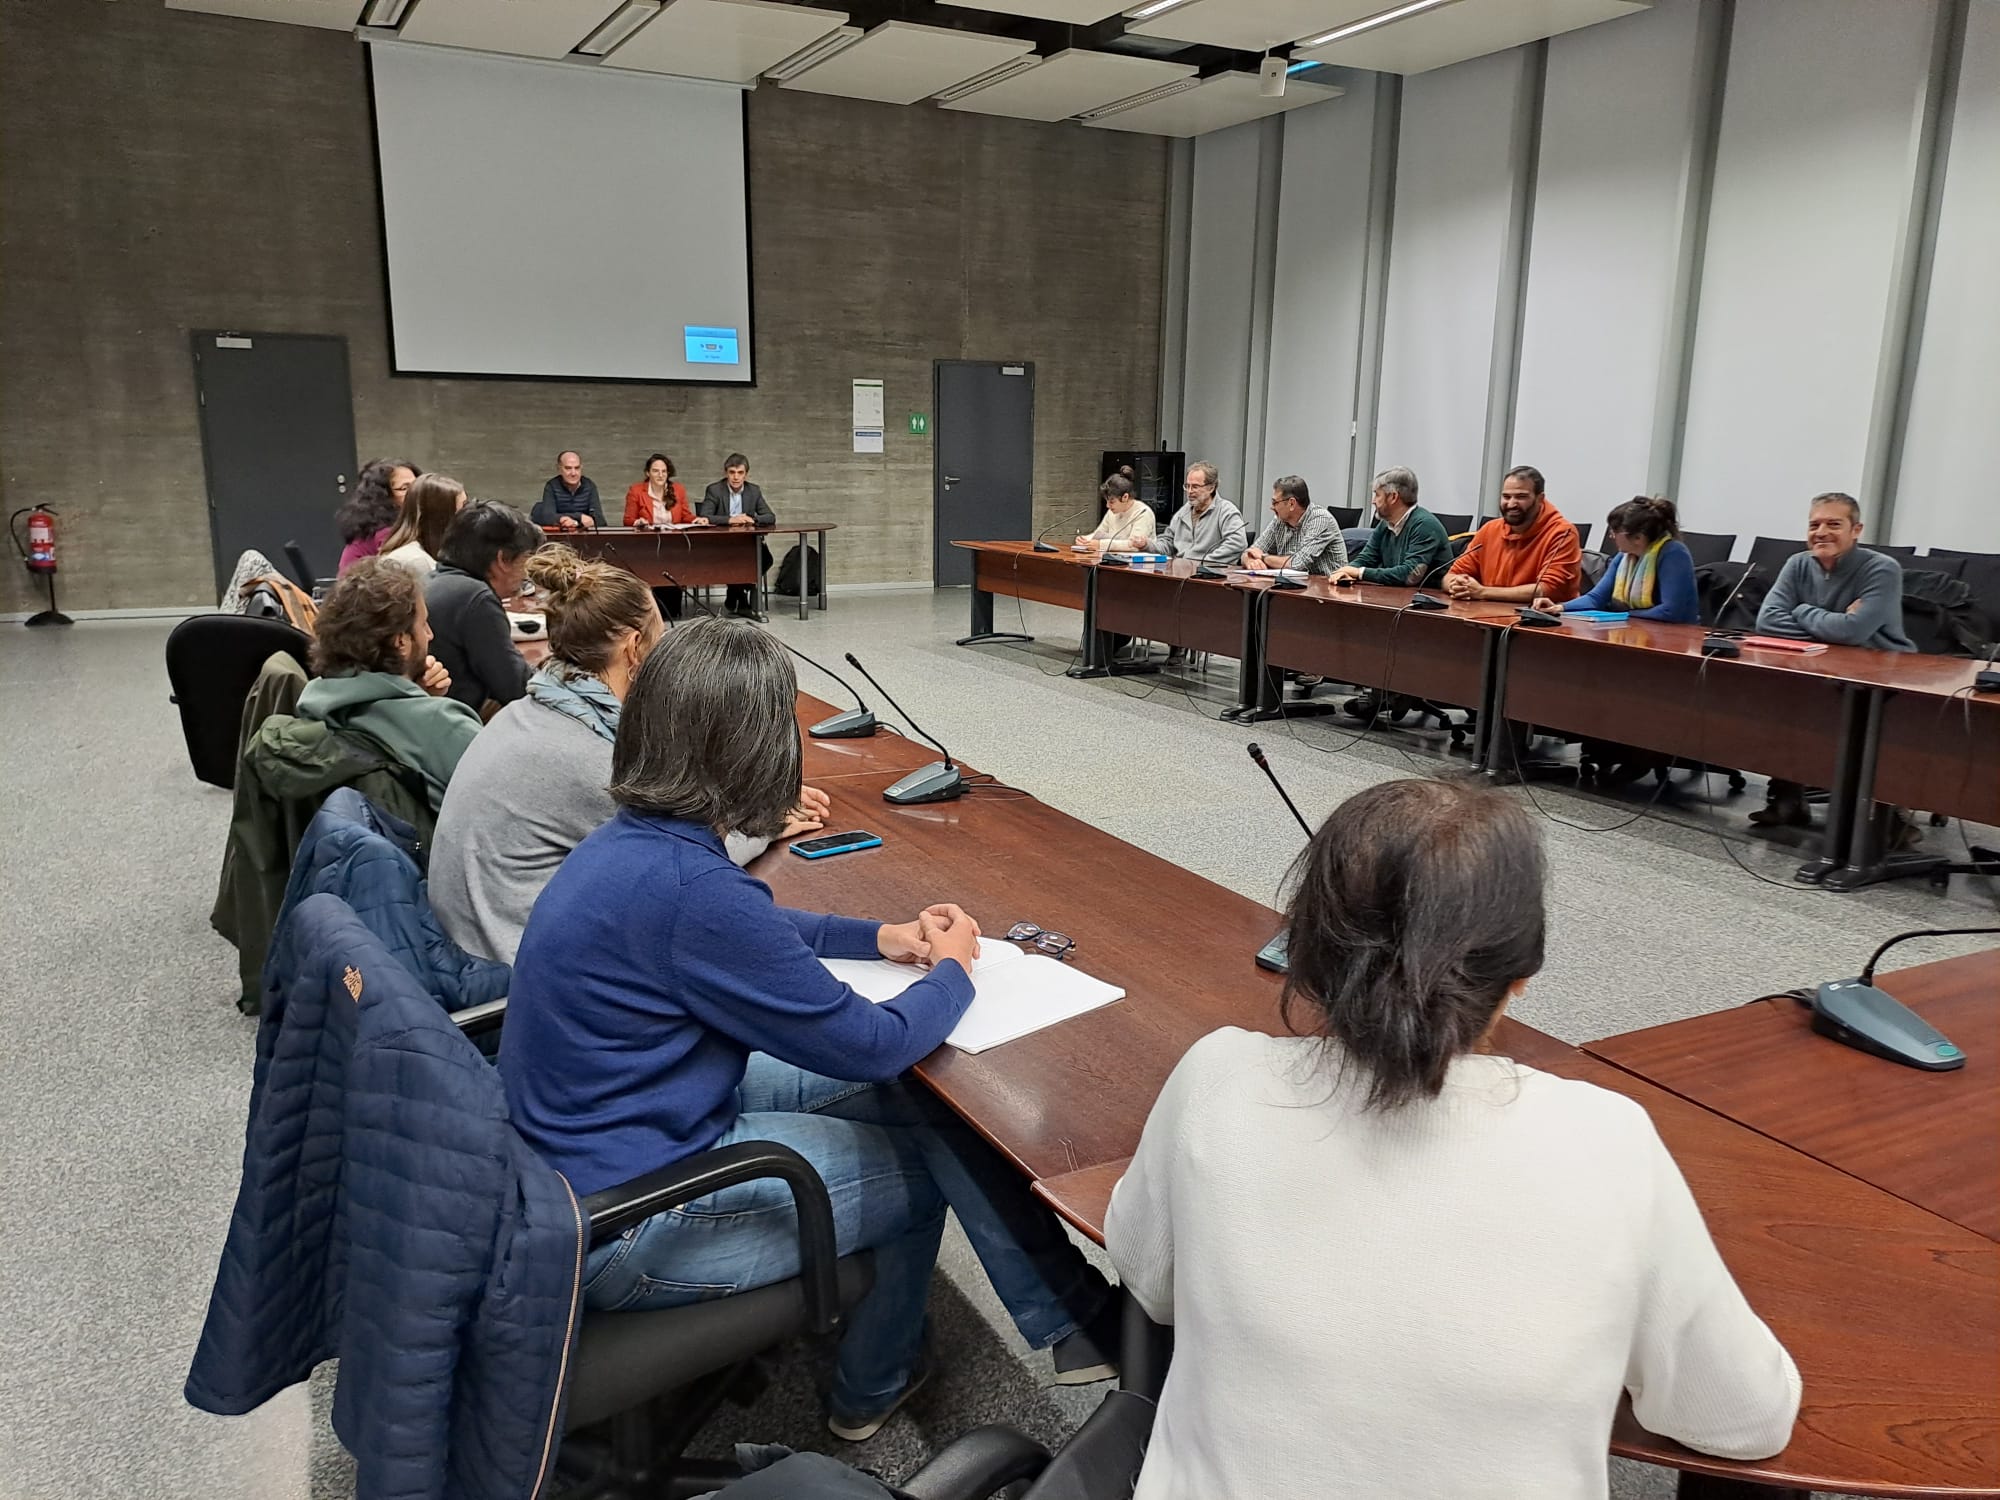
1101, 1461
616, 1209
478, 1020
984, 1461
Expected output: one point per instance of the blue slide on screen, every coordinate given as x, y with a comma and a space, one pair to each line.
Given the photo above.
710, 346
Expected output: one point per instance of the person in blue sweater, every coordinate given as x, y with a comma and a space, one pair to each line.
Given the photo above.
1652, 577
663, 1004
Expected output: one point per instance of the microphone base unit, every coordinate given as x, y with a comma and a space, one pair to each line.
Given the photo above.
1986, 682
855, 724
1275, 955
1047, 547
940, 781
1720, 645
1860, 1016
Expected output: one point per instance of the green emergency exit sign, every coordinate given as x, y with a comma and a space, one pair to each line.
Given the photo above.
919, 424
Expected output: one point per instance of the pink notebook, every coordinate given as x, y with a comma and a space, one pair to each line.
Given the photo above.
1782, 643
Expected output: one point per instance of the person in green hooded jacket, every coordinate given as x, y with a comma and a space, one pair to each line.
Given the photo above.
377, 678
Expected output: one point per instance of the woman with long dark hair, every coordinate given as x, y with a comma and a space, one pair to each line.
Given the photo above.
433, 502
1398, 1263
370, 512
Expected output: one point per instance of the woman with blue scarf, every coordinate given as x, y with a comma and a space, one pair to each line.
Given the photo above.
535, 781
1653, 576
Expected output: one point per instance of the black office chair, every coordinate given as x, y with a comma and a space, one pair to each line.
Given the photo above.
1347, 516
1901, 554
1769, 553
1583, 534
1980, 572
212, 663
1950, 561
1453, 524
1708, 546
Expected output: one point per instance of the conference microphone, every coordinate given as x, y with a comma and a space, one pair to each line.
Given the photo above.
1988, 680
939, 781
1715, 643
1856, 1014
856, 723
1042, 545
1274, 954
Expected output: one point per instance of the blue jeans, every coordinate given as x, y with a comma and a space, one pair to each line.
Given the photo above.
893, 1157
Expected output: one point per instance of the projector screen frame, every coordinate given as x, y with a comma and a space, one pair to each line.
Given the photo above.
397, 372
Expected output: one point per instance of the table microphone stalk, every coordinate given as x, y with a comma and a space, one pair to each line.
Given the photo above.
1715, 643
940, 781
1276, 954
1042, 544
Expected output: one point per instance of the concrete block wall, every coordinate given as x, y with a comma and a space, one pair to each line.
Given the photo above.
162, 171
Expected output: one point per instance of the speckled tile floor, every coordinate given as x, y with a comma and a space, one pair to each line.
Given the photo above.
124, 1068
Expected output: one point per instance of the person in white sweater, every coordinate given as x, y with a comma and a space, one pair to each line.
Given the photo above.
1128, 522
535, 782
1396, 1264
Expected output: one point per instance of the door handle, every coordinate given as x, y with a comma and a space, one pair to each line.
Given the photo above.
950, 480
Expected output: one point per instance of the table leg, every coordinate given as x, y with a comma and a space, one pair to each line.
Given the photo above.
1868, 822
805, 578
1094, 663
1250, 654
982, 622
822, 570
1492, 693
1853, 774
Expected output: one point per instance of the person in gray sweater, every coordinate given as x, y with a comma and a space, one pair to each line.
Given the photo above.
535, 781
1839, 592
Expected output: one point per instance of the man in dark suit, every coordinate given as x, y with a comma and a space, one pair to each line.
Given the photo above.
734, 501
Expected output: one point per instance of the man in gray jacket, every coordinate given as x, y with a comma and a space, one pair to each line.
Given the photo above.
1208, 529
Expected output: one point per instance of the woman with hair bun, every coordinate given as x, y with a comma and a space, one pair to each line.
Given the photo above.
534, 782
1653, 578
1397, 1263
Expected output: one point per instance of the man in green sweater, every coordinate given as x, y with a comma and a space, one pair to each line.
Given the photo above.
1408, 541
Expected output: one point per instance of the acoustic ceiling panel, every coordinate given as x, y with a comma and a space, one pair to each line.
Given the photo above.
900, 62
1069, 83
1253, 25
1071, 12
336, 15
1470, 28
524, 28
729, 40
1213, 104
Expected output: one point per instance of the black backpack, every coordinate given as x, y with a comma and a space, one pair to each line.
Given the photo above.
788, 572
1939, 615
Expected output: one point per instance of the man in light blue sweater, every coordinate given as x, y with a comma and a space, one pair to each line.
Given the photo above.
1839, 592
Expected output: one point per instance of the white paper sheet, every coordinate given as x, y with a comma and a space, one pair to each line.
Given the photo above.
1017, 993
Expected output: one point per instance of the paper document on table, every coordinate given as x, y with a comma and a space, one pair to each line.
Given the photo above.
1017, 993
1299, 573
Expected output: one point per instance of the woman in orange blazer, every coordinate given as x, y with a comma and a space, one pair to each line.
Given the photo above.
657, 500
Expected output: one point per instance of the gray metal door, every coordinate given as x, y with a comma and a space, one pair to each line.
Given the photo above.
982, 459
277, 440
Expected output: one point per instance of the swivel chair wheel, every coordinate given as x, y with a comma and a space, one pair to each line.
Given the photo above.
1736, 781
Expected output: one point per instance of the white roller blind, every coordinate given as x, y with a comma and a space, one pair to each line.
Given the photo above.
1316, 316
1616, 112
1812, 186
1452, 197
1946, 495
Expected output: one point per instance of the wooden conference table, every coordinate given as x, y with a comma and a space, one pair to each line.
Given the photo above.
1867, 725
696, 556
1891, 1310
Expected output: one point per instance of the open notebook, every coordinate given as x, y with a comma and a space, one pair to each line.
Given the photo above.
1017, 992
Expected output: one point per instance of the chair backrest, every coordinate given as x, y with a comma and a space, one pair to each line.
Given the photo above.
1940, 616
212, 663
1769, 553
1955, 552
1981, 575
1583, 534
1349, 516
1453, 524
295, 555
1715, 585
1901, 554
1591, 568
1708, 546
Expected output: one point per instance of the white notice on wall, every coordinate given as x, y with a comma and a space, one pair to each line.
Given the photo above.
868, 406
867, 440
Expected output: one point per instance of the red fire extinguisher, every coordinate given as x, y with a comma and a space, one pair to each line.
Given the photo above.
40, 556
41, 540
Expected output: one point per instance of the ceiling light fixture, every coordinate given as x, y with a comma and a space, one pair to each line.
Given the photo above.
630, 17
1151, 96
385, 13
1155, 8
987, 79
1369, 23
837, 40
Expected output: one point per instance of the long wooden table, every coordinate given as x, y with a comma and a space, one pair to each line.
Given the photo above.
1892, 1312
1869, 726
1932, 1139
697, 556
